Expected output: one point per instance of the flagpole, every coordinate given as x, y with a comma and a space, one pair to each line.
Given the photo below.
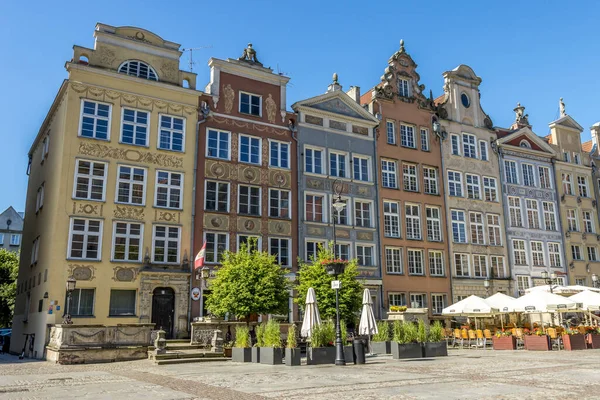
198, 266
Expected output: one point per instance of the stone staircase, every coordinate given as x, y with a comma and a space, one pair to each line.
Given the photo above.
179, 351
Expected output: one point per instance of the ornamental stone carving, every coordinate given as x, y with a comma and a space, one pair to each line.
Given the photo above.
216, 221
216, 169
364, 235
280, 227
271, 108
249, 174
228, 94
103, 151
87, 208
124, 274
315, 184
315, 231
124, 212
341, 233
250, 225
167, 216
82, 272
280, 179
107, 56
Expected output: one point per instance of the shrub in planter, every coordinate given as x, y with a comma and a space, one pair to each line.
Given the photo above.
381, 342
260, 342
435, 346
292, 351
321, 350
405, 343
241, 351
272, 353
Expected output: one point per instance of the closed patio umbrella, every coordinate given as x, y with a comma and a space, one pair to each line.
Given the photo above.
311, 314
367, 325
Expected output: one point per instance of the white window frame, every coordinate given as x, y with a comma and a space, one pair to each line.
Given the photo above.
278, 256
314, 164
549, 216
45, 148
39, 198
395, 256
592, 253
510, 172
391, 124
576, 252
465, 267
359, 210
494, 229
396, 299
414, 303
389, 217
533, 214
411, 262
128, 237
250, 139
424, 139
248, 237
476, 225
135, 125
515, 211
316, 242
96, 117
459, 227
280, 202
480, 266
544, 177
324, 207
90, 177
438, 303
474, 187
576, 158
359, 253
455, 149
86, 233
172, 131
436, 263
260, 104
279, 154
455, 185
528, 174
152, 75
170, 188
469, 149
218, 149
131, 182
582, 187
572, 221
166, 240
250, 205
523, 283
430, 180
345, 213
356, 160
407, 135
15, 239
567, 185
217, 193
588, 223
387, 172
403, 87
338, 250
537, 253
410, 180
483, 151
521, 249
215, 245
415, 231
554, 254
499, 261
337, 155
490, 189
566, 156
434, 224
35, 250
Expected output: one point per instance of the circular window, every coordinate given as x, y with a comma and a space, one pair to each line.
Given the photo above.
465, 100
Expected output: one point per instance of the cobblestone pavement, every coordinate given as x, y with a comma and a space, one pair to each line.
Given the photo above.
473, 374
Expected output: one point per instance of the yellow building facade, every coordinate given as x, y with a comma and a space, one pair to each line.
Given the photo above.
110, 192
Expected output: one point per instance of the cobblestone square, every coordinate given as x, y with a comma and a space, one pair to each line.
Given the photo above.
475, 374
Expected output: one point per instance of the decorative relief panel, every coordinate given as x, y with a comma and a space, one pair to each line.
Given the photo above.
249, 126
340, 126
216, 221
315, 231
82, 272
364, 236
89, 209
216, 169
124, 212
125, 274
340, 233
271, 108
228, 95
249, 225
103, 151
361, 130
280, 179
167, 216
315, 184
249, 174
362, 190
311, 119
280, 227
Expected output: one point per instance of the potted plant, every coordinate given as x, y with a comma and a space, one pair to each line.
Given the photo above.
272, 353
381, 343
227, 349
593, 337
241, 350
292, 351
321, 350
504, 340
573, 340
398, 308
537, 341
435, 345
405, 344
260, 342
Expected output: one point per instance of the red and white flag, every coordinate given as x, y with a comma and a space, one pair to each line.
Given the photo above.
199, 261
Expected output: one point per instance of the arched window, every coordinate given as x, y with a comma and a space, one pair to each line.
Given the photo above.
525, 143
139, 69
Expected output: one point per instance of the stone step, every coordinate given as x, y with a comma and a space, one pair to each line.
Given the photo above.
181, 354
190, 360
183, 346
169, 341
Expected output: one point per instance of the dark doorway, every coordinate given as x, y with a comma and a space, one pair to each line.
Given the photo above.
163, 310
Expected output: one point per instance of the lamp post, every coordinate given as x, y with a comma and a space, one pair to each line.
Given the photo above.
549, 281
486, 285
202, 275
595, 281
71, 282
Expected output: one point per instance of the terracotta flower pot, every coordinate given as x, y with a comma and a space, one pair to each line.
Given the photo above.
505, 343
537, 343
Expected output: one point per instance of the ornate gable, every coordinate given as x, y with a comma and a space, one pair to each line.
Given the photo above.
337, 106
526, 140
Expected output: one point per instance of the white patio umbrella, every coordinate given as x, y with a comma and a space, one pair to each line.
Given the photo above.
558, 289
541, 302
589, 300
503, 303
311, 314
367, 324
472, 306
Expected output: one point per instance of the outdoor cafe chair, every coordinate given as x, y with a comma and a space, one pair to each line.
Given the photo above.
480, 338
464, 337
489, 339
457, 341
555, 339
472, 338
519, 334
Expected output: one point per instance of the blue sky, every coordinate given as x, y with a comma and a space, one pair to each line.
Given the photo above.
534, 52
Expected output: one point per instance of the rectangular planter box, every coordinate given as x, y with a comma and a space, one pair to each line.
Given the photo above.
227, 352
293, 356
349, 354
256, 354
434, 349
407, 350
593, 341
574, 342
505, 343
241, 354
381, 347
537, 343
271, 355
320, 355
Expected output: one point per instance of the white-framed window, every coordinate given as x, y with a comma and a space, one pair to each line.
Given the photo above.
397, 299
567, 184
166, 244
391, 218
342, 251
218, 144
533, 214
35, 251
523, 283
549, 216
510, 169
1, 238
134, 127
572, 223
169, 189
469, 145
415, 262
592, 253
493, 225
360, 165
497, 267
127, 241
313, 247
95, 120
410, 178
250, 149
483, 150
131, 185
459, 227
424, 139
473, 191
554, 254
582, 185
15, 239
528, 175
391, 132
216, 197
281, 248
412, 212
139, 69
479, 266
519, 253
279, 203
45, 148
544, 176
337, 164
461, 264
430, 180
490, 190
364, 255
588, 222
82, 302
216, 245
438, 303
418, 300
279, 154
477, 232
39, 198
455, 143
254, 242
249, 200
85, 239
314, 211
407, 136
436, 263
171, 133
576, 252
403, 88
122, 302
389, 174
514, 210
393, 260
581, 281
455, 187
313, 160
576, 158
90, 180
434, 224
250, 104
363, 214
537, 253
566, 156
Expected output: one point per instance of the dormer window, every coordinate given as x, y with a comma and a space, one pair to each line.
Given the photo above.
403, 88
139, 69
524, 143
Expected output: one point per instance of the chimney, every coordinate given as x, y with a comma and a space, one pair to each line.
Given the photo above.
354, 92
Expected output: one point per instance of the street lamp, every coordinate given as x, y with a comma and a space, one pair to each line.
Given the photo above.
549, 281
202, 275
595, 281
71, 282
486, 285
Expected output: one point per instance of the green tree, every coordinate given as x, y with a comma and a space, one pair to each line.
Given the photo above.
9, 270
248, 282
315, 275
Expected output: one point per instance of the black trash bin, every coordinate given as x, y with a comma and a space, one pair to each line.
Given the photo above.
359, 351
